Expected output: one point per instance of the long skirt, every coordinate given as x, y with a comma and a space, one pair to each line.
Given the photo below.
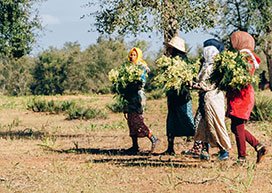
137, 127
211, 127
180, 121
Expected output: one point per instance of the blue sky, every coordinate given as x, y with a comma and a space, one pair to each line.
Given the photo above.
62, 23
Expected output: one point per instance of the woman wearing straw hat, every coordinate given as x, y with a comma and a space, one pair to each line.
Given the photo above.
180, 120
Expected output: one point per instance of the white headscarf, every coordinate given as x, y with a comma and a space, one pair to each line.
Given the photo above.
209, 53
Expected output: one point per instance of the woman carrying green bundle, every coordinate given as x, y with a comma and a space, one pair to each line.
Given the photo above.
241, 101
180, 120
134, 95
210, 117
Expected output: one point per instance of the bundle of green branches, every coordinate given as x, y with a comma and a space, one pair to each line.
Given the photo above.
232, 71
173, 73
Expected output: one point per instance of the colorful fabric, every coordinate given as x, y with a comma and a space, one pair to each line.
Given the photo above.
242, 136
207, 68
180, 120
136, 125
140, 61
240, 103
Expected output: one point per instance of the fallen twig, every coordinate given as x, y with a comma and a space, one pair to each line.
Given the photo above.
197, 182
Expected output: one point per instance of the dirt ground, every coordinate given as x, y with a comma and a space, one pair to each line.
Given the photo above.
42, 152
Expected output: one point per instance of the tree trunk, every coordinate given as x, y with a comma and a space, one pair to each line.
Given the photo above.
269, 67
170, 23
268, 54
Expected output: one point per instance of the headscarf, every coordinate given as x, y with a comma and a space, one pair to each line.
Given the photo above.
215, 43
139, 59
211, 48
244, 42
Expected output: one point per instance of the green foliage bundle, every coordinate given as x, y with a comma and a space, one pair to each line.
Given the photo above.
124, 74
173, 73
232, 71
262, 110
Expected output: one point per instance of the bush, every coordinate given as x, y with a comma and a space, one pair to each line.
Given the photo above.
118, 105
54, 107
88, 113
155, 94
262, 110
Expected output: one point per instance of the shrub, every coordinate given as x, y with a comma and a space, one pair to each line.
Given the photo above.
85, 113
118, 105
156, 94
55, 107
262, 110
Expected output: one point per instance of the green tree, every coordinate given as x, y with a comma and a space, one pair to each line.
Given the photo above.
166, 16
101, 58
50, 73
15, 76
18, 22
77, 78
252, 16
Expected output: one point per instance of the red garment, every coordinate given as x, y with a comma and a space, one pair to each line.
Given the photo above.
136, 125
242, 136
241, 102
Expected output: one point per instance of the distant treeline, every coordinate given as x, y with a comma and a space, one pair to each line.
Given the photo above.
70, 70
67, 70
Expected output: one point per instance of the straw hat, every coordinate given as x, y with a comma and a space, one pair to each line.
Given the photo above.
177, 43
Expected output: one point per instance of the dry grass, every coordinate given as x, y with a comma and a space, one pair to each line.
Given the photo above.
47, 153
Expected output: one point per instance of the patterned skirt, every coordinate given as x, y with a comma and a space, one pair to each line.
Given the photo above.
136, 125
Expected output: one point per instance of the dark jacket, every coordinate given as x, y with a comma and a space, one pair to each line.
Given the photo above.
133, 98
175, 98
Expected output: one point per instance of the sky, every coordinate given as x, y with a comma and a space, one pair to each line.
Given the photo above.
62, 23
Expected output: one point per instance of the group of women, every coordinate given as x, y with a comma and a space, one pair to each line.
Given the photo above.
208, 125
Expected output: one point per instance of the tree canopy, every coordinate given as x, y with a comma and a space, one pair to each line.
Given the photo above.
166, 17
18, 21
252, 16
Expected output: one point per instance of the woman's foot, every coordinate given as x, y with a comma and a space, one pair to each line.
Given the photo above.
132, 150
168, 152
195, 150
240, 161
204, 155
261, 152
223, 155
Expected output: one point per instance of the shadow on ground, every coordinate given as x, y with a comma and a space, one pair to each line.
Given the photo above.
124, 158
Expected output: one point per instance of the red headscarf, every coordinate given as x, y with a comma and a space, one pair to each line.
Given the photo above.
242, 40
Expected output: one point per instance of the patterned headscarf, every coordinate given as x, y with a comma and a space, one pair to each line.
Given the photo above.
139, 59
242, 40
